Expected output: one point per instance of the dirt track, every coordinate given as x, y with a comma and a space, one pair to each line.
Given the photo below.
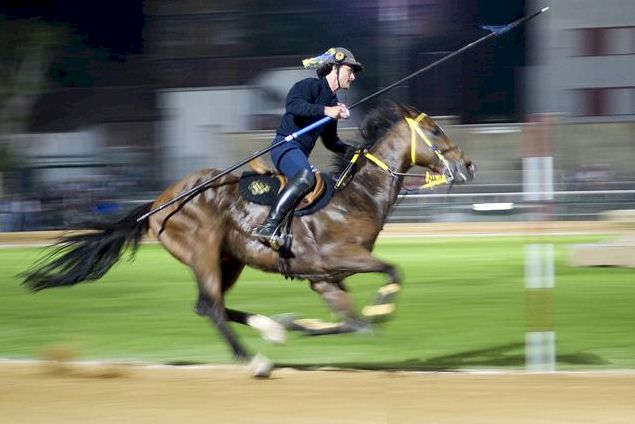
132, 394
54, 394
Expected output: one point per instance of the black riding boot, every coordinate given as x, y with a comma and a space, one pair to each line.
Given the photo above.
290, 196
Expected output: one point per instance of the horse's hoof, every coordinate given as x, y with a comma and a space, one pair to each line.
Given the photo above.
260, 366
378, 313
287, 320
357, 326
270, 330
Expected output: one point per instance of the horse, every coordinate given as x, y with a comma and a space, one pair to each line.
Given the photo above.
210, 233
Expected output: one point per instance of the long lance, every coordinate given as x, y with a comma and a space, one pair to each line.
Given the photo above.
497, 31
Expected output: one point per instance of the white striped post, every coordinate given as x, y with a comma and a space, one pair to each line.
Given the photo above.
540, 335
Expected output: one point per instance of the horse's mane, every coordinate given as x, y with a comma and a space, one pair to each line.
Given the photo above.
376, 123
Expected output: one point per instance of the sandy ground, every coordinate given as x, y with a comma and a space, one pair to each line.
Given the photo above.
46, 393
55, 393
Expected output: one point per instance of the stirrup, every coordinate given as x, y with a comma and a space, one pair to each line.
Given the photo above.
276, 240
272, 240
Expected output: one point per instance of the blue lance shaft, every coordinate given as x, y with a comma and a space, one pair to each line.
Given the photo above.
205, 184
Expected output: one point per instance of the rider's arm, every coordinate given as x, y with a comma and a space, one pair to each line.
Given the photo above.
300, 98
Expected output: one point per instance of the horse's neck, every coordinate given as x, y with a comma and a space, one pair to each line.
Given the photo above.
394, 149
377, 183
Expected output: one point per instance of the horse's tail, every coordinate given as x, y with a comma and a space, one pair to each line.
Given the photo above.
88, 256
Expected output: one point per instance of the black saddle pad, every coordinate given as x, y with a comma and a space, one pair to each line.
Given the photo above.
263, 189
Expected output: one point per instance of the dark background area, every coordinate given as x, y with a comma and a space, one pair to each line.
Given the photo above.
162, 44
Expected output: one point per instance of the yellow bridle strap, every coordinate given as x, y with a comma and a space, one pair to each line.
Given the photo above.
344, 176
414, 130
376, 161
433, 180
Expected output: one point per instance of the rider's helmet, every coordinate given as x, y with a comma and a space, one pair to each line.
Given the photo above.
333, 56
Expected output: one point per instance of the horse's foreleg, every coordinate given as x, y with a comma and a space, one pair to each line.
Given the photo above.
356, 260
336, 297
338, 300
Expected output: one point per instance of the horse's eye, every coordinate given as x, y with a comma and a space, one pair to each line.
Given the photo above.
436, 131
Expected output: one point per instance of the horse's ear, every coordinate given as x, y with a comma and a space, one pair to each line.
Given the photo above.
410, 111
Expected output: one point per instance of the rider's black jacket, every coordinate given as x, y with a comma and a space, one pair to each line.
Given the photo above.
305, 105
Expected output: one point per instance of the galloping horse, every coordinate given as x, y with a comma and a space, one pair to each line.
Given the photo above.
211, 232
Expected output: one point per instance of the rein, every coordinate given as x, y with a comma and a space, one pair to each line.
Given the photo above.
431, 180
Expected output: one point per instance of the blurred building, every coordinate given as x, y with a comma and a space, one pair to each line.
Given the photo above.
142, 93
582, 60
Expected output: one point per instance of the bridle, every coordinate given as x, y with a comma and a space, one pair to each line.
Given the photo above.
431, 180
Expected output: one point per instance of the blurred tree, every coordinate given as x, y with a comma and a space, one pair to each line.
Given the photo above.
26, 51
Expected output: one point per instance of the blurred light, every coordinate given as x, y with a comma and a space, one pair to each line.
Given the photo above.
491, 207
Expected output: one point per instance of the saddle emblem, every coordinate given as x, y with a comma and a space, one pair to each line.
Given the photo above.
258, 187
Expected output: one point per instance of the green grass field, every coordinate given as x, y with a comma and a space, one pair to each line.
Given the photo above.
463, 306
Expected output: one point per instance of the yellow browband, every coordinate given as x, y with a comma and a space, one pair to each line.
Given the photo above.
432, 180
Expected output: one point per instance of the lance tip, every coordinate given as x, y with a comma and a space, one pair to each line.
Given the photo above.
544, 9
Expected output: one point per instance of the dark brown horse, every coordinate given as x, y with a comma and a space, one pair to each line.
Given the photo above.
211, 233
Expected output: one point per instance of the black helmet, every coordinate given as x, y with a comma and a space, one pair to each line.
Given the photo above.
334, 55
344, 56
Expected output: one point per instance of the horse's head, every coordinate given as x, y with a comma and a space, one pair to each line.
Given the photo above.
433, 149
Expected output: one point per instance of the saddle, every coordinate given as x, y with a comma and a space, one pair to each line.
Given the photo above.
261, 185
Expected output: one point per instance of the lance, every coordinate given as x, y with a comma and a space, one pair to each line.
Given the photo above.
495, 32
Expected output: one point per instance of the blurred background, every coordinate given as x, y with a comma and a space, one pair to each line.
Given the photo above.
105, 103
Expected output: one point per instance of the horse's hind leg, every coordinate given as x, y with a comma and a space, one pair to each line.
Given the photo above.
207, 268
354, 259
269, 329
230, 271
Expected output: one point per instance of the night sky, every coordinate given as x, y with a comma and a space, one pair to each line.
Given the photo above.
115, 25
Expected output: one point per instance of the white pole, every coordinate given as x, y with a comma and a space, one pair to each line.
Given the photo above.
540, 336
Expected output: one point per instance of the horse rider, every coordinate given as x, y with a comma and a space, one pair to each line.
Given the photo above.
308, 101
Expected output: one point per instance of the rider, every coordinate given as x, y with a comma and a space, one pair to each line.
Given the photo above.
308, 101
